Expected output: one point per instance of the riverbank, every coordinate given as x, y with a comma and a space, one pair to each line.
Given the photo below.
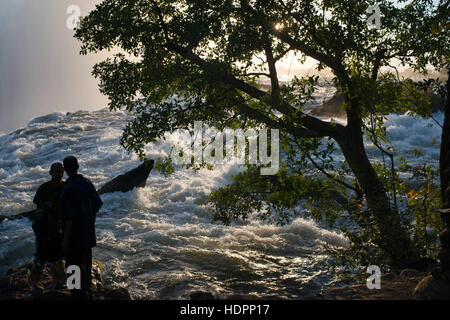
15, 285
392, 287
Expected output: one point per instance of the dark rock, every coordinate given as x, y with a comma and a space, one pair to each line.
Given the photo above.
436, 271
344, 293
106, 293
28, 214
239, 297
409, 273
134, 178
331, 108
388, 276
125, 182
437, 102
334, 108
432, 288
201, 295
15, 285
393, 287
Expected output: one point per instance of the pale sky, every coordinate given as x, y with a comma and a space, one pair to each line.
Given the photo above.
41, 70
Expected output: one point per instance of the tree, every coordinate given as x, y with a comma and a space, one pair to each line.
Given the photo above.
444, 161
200, 60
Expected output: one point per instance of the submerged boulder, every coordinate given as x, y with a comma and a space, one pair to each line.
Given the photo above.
28, 214
134, 178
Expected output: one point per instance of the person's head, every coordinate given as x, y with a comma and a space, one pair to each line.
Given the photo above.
71, 165
57, 172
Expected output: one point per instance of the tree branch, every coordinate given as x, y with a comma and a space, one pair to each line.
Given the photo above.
253, 74
311, 124
334, 64
379, 56
321, 169
273, 73
260, 117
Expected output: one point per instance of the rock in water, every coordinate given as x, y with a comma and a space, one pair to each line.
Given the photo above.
334, 107
331, 108
29, 214
125, 182
134, 178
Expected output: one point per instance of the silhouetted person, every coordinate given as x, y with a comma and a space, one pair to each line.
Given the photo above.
79, 204
47, 228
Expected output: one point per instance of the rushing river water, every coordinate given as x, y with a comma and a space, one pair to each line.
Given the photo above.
156, 241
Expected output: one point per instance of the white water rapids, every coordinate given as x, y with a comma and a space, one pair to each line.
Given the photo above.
156, 241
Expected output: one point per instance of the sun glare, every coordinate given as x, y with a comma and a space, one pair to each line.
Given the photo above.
279, 26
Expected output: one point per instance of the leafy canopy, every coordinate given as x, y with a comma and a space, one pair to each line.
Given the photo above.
200, 60
203, 60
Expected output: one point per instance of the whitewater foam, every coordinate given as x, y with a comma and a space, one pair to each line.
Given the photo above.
157, 241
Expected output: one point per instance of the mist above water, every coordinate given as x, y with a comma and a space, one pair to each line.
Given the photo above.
41, 70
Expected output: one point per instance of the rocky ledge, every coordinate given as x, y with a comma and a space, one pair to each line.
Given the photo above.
393, 287
15, 285
404, 286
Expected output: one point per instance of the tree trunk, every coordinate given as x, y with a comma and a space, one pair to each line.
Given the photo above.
394, 239
444, 161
